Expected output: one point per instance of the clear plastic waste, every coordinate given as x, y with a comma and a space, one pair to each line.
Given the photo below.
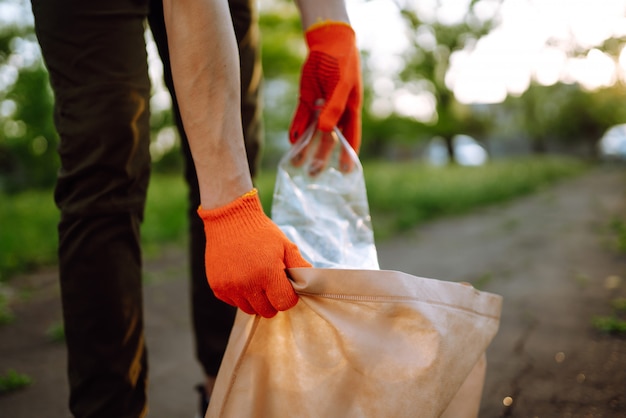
321, 208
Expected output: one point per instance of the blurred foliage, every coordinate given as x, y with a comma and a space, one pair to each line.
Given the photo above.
561, 118
56, 332
6, 314
283, 44
427, 60
12, 380
283, 52
617, 228
613, 324
401, 195
28, 138
406, 194
28, 235
619, 304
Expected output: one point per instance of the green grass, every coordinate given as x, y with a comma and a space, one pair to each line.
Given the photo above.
619, 304
618, 229
165, 218
6, 314
401, 196
28, 235
610, 324
13, 380
614, 324
56, 332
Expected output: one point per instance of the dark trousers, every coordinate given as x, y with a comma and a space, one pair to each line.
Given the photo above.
96, 57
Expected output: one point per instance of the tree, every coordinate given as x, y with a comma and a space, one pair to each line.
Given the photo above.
283, 53
28, 138
427, 61
563, 117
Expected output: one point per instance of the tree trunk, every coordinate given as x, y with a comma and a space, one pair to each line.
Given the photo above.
450, 148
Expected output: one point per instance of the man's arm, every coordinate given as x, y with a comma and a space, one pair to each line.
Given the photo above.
314, 11
206, 72
205, 67
247, 255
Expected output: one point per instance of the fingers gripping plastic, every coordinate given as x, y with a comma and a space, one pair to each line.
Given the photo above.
330, 84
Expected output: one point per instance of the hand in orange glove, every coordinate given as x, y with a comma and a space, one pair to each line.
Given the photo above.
331, 85
247, 256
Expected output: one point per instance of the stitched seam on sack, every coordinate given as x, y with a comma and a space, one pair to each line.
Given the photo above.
231, 383
387, 299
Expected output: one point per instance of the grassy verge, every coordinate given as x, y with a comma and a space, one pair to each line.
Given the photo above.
165, 219
401, 196
614, 324
12, 380
28, 235
404, 195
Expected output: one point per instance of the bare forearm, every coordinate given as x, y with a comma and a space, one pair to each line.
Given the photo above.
205, 67
313, 11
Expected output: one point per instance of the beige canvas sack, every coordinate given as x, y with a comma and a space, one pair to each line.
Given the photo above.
361, 343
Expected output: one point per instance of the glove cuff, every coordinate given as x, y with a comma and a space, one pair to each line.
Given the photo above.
332, 34
320, 23
243, 213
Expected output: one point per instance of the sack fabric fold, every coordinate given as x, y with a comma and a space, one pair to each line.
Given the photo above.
361, 343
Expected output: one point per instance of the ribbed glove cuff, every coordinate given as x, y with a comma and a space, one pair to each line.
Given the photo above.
246, 210
332, 35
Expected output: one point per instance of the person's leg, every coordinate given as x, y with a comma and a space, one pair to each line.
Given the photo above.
95, 54
212, 318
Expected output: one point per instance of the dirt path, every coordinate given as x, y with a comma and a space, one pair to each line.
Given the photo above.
549, 255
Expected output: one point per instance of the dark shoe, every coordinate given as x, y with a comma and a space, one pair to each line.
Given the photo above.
204, 401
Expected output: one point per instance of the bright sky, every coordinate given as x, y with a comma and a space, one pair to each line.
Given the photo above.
502, 62
505, 60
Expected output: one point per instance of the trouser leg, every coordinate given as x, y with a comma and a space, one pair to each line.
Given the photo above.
212, 318
95, 54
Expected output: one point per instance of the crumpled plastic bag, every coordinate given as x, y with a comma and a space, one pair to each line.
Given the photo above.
326, 214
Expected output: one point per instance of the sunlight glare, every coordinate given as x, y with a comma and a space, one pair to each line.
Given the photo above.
594, 71
506, 60
386, 40
419, 106
591, 23
550, 66
622, 64
13, 12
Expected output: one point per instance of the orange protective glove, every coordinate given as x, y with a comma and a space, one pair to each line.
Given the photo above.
330, 84
247, 256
